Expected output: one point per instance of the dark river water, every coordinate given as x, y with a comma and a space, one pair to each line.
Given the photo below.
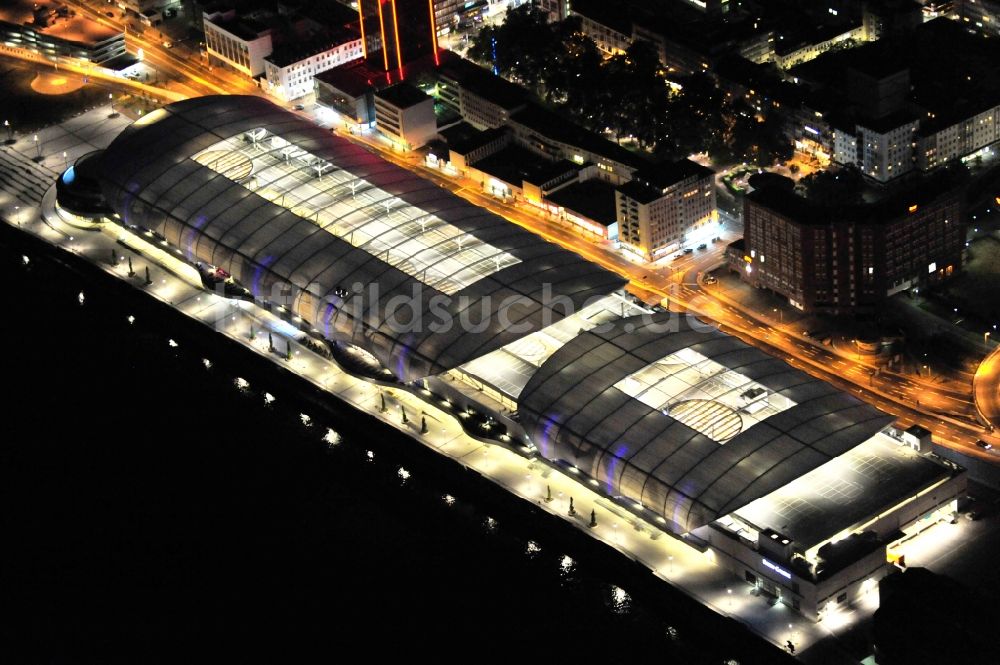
153, 512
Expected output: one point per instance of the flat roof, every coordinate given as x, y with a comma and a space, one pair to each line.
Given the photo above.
594, 199
292, 52
515, 164
402, 95
889, 122
76, 28
896, 202
845, 492
352, 78
464, 138
560, 128
665, 174
244, 27
485, 83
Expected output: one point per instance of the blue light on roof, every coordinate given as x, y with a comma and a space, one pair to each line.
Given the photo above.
69, 176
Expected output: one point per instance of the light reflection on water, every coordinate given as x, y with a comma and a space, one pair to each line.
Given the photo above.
621, 602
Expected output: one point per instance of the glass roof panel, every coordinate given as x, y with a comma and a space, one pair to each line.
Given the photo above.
420, 244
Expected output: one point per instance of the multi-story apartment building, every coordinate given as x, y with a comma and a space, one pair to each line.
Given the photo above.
848, 259
885, 146
983, 15
662, 205
941, 140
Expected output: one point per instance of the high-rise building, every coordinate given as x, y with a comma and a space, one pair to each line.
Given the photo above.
663, 205
407, 30
844, 259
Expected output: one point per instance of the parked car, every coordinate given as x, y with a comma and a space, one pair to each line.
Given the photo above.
703, 246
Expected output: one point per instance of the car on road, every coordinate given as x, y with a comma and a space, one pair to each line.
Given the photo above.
109, 14
688, 250
168, 45
985, 445
703, 246
711, 279
300, 107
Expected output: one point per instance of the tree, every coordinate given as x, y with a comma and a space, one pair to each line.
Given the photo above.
834, 187
694, 122
521, 48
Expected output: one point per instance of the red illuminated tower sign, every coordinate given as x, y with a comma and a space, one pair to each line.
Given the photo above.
418, 24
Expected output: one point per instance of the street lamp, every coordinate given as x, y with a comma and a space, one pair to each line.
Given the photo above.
781, 314
38, 148
10, 131
17, 215
111, 104
986, 337
65, 161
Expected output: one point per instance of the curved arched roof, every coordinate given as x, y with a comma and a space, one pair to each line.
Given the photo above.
574, 413
215, 215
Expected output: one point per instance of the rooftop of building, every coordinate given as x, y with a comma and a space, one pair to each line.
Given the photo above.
593, 199
883, 67
352, 78
712, 424
402, 95
618, 17
553, 126
844, 492
243, 27
952, 73
895, 201
808, 34
891, 121
328, 13
47, 19
431, 237
515, 165
463, 138
291, 52
647, 184
484, 83
665, 174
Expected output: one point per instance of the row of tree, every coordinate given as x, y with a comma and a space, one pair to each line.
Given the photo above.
627, 94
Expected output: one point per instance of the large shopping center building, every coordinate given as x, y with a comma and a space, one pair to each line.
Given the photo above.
799, 488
